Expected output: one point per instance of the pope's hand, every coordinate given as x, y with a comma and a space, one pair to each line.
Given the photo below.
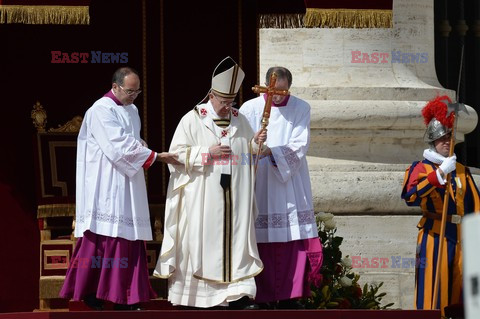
219, 150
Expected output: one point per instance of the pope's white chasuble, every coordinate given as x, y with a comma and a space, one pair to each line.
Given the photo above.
209, 250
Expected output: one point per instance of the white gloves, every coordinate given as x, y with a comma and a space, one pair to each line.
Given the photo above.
448, 164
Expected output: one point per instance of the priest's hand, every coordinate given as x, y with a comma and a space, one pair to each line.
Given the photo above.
168, 158
266, 151
260, 136
218, 151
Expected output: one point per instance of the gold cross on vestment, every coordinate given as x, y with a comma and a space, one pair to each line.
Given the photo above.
270, 91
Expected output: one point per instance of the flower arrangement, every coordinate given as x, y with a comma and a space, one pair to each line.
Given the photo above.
336, 286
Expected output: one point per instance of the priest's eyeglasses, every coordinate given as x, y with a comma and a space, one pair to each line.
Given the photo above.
225, 103
130, 92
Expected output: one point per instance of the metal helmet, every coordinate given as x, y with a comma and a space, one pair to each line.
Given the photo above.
435, 130
437, 118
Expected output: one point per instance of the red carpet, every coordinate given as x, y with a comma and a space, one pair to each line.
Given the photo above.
232, 314
162, 309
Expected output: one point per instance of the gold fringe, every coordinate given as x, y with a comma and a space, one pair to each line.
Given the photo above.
348, 18
50, 286
44, 14
55, 210
281, 21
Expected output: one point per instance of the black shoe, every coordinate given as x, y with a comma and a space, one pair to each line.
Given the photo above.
267, 305
93, 302
120, 307
290, 304
455, 311
136, 306
243, 303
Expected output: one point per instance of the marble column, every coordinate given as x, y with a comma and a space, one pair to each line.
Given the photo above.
366, 127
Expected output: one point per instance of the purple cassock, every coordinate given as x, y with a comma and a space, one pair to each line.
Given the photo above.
289, 268
115, 269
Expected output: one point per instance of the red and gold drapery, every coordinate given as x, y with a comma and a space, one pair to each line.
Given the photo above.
45, 11
348, 14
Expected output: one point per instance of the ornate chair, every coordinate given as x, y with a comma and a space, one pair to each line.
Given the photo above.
55, 157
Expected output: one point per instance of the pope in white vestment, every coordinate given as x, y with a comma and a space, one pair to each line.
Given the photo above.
209, 251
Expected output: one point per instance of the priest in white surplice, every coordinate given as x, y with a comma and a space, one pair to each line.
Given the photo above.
209, 252
112, 215
286, 229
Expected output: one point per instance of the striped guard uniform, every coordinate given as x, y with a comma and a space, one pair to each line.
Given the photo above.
422, 188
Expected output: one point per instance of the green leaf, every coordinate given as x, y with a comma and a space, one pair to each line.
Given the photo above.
337, 241
325, 291
371, 305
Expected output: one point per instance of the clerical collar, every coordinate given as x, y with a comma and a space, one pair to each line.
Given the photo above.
284, 102
113, 97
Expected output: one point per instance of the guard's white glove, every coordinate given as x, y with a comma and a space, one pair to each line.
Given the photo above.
448, 164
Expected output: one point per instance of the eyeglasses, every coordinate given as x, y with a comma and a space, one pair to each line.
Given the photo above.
130, 92
225, 103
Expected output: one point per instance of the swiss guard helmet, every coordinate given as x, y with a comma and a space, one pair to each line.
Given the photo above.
435, 117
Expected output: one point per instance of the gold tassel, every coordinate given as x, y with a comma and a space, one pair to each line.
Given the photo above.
281, 21
44, 14
348, 18
55, 210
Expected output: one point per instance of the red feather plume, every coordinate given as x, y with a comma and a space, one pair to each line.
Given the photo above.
437, 108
